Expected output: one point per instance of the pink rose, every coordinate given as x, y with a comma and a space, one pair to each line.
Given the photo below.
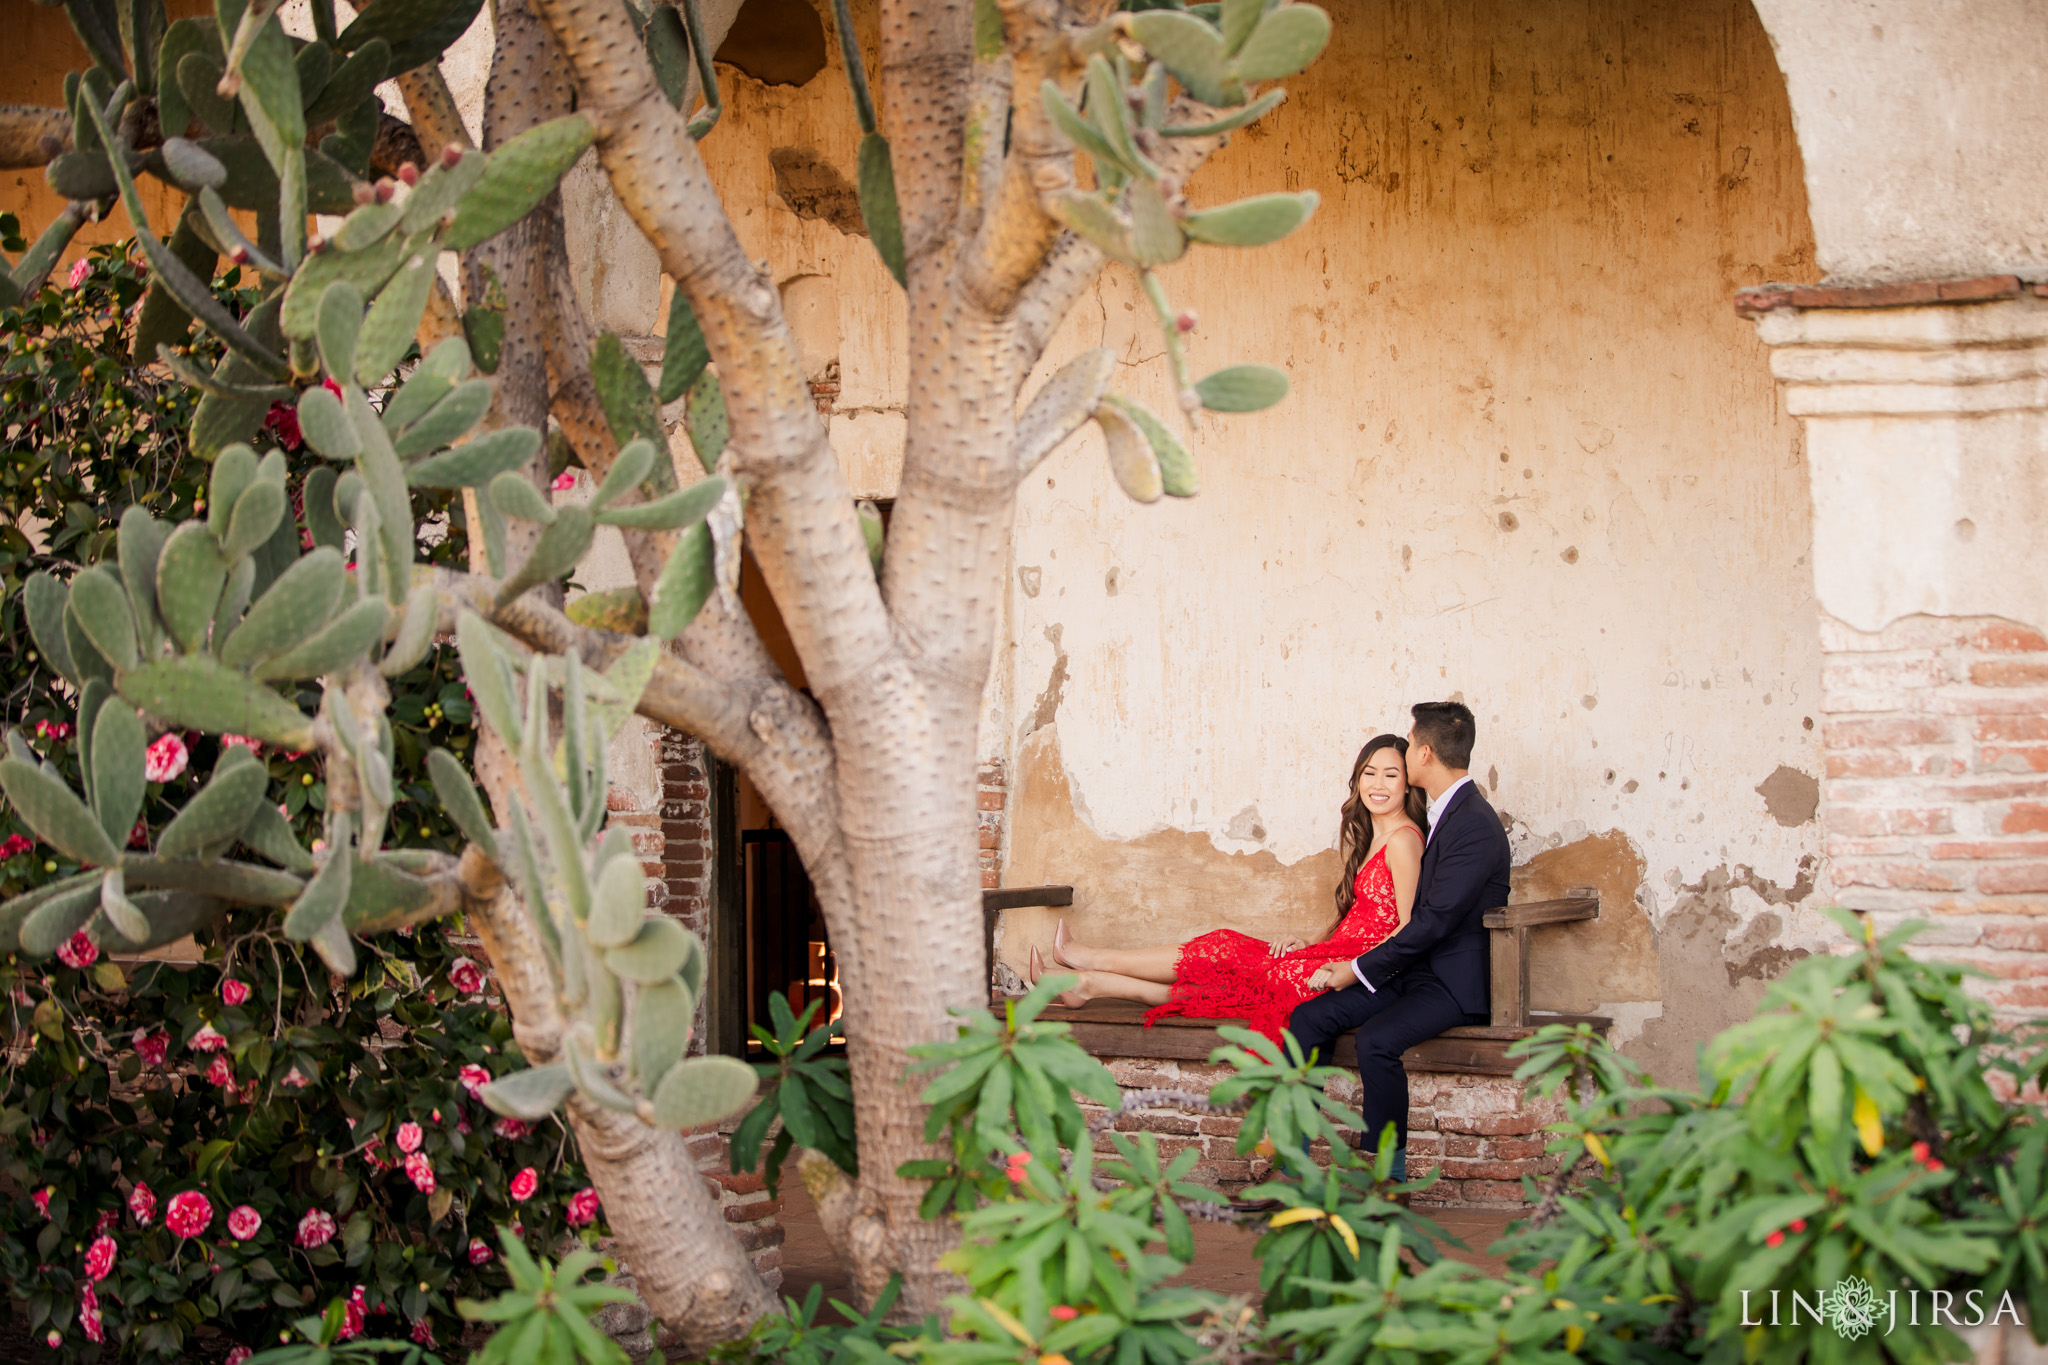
152, 1047
352, 1316
294, 1080
139, 836
511, 1129
479, 1254
142, 1203
524, 1184
372, 1155
41, 1199
466, 976
99, 1257
244, 1223
421, 1172
583, 1207
89, 1313
237, 1356
188, 1213
316, 1229
164, 759
208, 1039
81, 271
107, 1219
53, 1338
241, 742
473, 1077
79, 953
220, 1073
233, 992
409, 1137
423, 1332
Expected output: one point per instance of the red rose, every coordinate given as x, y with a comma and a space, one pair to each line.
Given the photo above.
583, 1206
99, 1257
188, 1213
479, 1254
233, 992
316, 1229
79, 953
524, 1184
244, 1223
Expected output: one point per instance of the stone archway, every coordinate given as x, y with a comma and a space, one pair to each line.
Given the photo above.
1920, 372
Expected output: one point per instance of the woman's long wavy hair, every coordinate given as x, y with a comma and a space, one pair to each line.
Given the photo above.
1354, 841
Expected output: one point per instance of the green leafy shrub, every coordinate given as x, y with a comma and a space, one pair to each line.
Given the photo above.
107, 1085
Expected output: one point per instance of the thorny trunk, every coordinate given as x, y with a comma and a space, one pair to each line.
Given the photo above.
874, 779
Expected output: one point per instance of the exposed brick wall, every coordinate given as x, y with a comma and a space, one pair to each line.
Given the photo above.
1936, 796
1477, 1129
755, 1217
992, 783
686, 828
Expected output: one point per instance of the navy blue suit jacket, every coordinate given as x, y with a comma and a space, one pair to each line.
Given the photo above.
1464, 874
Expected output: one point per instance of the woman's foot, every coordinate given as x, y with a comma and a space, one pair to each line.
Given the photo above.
1073, 998
1065, 950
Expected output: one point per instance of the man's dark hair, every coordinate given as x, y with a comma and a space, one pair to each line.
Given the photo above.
1446, 727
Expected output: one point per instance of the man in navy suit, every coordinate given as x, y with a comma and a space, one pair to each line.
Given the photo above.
1432, 975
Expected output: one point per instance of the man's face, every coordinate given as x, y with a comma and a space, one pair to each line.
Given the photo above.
1420, 755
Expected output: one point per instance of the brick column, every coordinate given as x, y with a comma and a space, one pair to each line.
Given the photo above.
685, 820
1925, 408
993, 789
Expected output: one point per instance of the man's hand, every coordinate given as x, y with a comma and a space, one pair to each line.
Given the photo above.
1332, 976
1292, 945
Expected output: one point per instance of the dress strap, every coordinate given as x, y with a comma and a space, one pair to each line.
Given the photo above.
1406, 829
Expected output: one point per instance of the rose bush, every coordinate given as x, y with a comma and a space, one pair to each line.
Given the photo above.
211, 1145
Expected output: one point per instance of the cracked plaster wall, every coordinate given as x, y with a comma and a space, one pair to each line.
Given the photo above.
1531, 459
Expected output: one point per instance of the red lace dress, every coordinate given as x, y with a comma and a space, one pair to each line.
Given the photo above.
1228, 975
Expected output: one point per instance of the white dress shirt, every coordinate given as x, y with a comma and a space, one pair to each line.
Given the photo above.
1436, 814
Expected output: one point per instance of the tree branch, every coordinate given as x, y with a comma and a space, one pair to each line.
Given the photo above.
1073, 264
435, 120
1016, 233
800, 518
927, 65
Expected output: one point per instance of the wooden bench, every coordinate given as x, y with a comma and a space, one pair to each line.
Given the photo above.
1116, 1028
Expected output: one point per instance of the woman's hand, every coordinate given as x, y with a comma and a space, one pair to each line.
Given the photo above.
1331, 976
1292, 945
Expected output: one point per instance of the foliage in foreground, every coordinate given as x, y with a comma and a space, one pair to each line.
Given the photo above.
1849, 1144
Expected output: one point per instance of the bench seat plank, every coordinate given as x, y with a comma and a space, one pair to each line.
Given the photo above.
1529, 914
1116, 1028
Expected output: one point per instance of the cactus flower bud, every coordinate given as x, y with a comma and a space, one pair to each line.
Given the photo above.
240, 255
409, 173
316, 244
363, 192
1186, 321
386, 187
451, 156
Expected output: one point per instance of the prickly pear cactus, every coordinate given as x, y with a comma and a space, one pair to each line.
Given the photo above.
627, 982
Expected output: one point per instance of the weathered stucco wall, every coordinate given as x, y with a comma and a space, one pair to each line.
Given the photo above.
1531, 459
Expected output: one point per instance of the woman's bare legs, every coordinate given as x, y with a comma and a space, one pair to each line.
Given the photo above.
1159, 964
1096, 985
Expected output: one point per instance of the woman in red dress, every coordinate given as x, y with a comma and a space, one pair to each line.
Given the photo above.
1228, 975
